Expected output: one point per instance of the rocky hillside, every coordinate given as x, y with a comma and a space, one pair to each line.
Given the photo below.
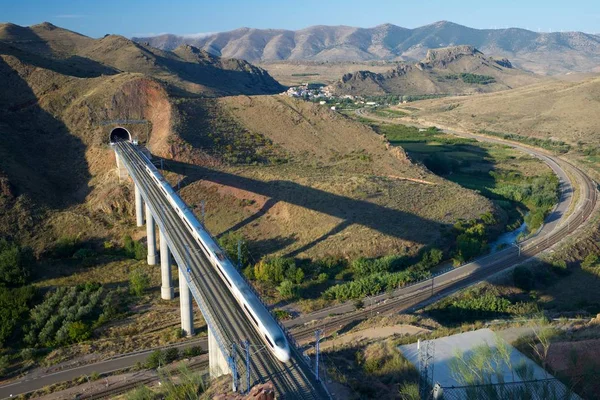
451, 70
546, 53
188, 68
294, 177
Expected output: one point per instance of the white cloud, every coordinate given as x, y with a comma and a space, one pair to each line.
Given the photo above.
198, 35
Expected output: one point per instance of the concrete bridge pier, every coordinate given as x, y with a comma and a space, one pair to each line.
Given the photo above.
166, 288
139, 206
185, 306
217, 363
151, 236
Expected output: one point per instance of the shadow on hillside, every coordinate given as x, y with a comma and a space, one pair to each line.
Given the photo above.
76, 66
230, 82
350, 211
40, 156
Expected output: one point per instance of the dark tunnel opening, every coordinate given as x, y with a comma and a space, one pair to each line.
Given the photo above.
119, 134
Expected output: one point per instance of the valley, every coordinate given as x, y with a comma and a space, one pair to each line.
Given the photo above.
377, 204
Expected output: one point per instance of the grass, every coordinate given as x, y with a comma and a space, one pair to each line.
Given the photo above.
489, 169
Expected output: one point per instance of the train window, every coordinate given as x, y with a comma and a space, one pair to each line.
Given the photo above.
269, 341
220, 255
224, 277
251, 316
279, 342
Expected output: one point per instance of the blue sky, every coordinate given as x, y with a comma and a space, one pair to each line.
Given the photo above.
134, 17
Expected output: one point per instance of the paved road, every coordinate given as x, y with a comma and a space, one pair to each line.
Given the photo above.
32, 382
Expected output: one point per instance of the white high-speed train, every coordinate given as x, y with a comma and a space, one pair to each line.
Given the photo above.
263, 321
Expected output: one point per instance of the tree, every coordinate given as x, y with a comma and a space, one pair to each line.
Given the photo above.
15, 264
14, 306
139, 281
78, 331
275, 270
229, 243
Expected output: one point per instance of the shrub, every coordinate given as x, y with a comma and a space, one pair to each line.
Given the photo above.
134, 249
229, 243
523, 278
78, 331
591, 261
156, 359
193, 351
139, 282
14, 306
171, 354
287, 289
83, 254
275, 270
15, 264
65, 247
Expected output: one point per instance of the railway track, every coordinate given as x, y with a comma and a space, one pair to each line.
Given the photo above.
291, 380
419, 293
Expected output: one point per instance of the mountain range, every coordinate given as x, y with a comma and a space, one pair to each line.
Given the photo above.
449, 70
546, 53
186, 68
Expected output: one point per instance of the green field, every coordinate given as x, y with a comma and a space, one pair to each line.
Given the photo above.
516, 182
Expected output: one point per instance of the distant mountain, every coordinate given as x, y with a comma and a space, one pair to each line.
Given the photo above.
187, 68
548, 53
450, 70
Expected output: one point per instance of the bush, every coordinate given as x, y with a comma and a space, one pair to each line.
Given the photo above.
591, 261
523, 278
139, 282
287, 289
15, 264
229, 243
193, 351
65, 247
134, 249
156, 359
171, 354
14, 306
275, 270
78, 331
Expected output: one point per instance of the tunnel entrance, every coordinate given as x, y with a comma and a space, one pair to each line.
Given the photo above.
119, 134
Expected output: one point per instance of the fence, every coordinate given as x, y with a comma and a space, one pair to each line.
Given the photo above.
544, 389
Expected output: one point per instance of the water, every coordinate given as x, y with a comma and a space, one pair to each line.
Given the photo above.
507, 238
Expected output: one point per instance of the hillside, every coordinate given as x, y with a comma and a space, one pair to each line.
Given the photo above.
544, 53
311, 182
294, 177
450, 70
187, 69
559, 110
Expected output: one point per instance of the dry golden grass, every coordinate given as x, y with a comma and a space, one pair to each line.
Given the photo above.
562, 110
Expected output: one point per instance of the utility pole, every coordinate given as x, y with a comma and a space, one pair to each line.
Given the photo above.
318, 338
239, 248
234, 374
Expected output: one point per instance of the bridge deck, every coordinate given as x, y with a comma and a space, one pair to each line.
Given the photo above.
292, 380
